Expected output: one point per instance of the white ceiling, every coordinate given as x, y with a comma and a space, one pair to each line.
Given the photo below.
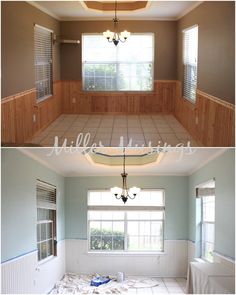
156, 10
77, 164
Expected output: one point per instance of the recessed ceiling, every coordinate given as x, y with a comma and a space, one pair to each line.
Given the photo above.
77, 10
173, 162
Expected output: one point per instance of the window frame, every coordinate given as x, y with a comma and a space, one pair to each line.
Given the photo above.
52, 221
193, 101
202, 223
118, 91
41, 99
125, 210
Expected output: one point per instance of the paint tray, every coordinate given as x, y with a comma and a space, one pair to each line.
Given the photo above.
99, 281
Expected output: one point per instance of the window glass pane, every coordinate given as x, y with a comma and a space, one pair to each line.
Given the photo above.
94, 198
95, 228
43, 250
49, 248
132, 228
208, 208
144, 243
118, 242
107, 243
49, 230
156, 228
156, 244
43, 231
133, 243
144, 228
95, 243
106, 228
38, 233
118, 228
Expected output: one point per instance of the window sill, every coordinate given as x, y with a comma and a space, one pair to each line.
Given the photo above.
193, 102
126, 253
40, 100
46, 260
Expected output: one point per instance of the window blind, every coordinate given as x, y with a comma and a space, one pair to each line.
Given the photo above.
205, 192
43, 61
190, 56
46, 196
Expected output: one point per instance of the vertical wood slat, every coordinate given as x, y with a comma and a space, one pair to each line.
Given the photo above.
18, 111
215, 118
75, 101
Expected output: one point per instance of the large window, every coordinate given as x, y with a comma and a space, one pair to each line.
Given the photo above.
126, 67
43, 61
137, 226
46, 220
207, 221
190, 57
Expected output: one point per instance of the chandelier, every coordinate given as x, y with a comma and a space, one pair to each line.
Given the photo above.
115, 36
124, 193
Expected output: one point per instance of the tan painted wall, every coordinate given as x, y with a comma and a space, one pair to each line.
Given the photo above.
215, 47
165, 45
17, 30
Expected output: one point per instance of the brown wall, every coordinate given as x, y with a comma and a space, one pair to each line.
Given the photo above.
165, 45
17, 28
216, 38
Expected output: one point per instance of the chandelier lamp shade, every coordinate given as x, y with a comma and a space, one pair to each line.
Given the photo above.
124, 193
116, 36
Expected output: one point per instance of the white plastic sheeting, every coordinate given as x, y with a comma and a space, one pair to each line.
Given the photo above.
80, 284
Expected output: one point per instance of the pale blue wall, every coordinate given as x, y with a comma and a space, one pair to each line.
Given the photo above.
222, 168
176, 191
18, 205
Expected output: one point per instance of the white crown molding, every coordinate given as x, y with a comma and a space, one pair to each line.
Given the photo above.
29, 152
186, 11
43, 9
214, 156
38, 6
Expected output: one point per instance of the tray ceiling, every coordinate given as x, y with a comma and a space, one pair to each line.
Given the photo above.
76, 163
154, 10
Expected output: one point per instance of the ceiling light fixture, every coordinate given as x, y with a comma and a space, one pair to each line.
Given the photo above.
115, 36
124, 193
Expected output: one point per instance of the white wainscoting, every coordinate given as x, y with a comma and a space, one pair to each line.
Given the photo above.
171, 264
191, 251
24, 275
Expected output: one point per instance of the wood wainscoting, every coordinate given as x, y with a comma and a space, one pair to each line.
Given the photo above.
76, 101
22, 116
209, 120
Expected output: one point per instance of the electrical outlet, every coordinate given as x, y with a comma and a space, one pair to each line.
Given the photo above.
73, 100
34, 118
196, 120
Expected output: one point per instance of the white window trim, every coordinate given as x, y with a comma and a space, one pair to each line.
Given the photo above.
118, 91
129, 208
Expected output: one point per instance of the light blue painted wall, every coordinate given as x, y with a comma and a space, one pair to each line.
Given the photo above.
222, 168
176, 191
18, 207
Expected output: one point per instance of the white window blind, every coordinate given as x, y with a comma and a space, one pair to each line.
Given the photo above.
46, 220
132, 228
190, 57
43, 61
126, 67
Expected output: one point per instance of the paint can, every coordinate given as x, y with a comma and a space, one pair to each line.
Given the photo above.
120, 277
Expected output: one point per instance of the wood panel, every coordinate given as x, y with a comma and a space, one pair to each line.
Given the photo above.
76, 101
210, 120
18, 112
